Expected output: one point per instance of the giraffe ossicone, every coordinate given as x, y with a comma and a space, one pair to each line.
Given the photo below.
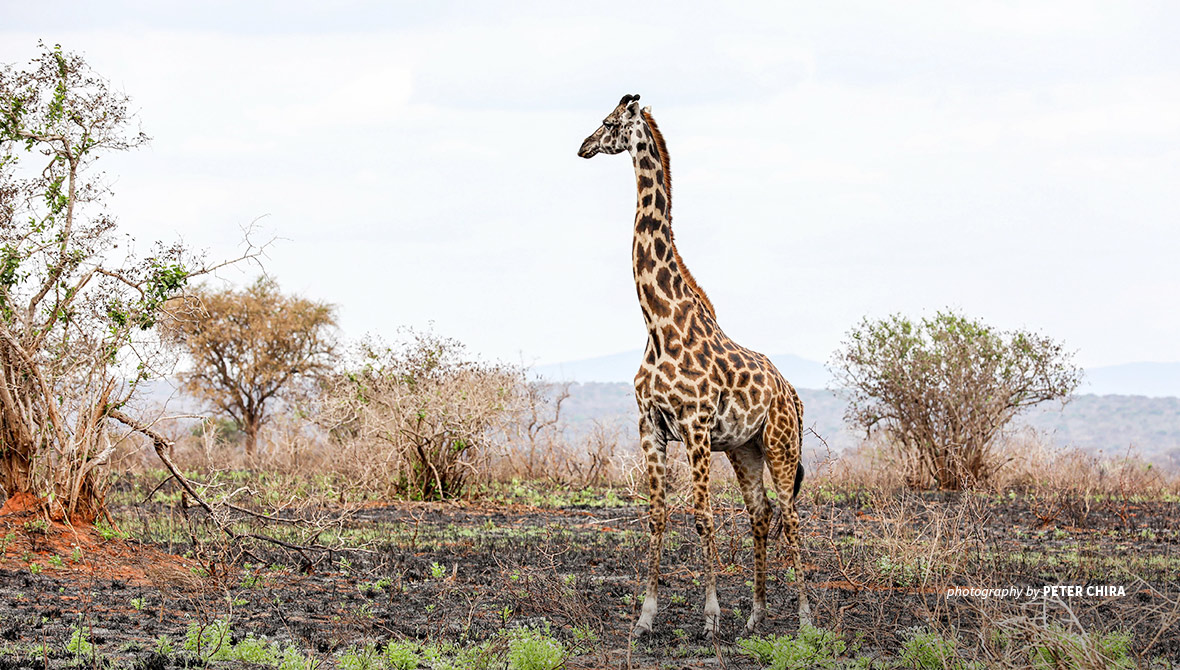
697, 386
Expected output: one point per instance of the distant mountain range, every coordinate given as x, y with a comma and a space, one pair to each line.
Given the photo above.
621, 368
1157, 380
1107, 423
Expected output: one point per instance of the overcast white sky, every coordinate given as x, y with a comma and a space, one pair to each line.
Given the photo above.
1016, 161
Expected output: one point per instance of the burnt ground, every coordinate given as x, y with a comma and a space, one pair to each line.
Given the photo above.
461, 573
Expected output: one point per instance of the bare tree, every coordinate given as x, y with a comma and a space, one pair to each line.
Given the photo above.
77, 313
943, 388
249, 347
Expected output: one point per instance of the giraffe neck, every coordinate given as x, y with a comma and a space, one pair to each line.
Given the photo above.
661, 279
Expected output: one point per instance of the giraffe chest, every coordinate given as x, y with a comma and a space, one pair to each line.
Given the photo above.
678, 396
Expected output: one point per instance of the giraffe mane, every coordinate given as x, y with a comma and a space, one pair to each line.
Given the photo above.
663, 150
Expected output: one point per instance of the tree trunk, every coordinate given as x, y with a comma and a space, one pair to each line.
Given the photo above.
252, 423
16, 470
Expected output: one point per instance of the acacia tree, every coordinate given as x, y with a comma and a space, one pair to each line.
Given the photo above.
77, 314
249, 347
943, 388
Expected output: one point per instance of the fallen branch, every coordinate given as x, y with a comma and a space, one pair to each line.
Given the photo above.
163, 446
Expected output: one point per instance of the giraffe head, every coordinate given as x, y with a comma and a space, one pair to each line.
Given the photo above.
615, 134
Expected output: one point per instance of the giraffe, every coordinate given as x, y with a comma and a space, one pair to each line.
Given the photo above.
697, 386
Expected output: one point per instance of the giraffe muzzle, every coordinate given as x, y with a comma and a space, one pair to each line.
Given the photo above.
589, 147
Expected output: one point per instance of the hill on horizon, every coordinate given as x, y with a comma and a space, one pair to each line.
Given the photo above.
1154, 380
1095, 423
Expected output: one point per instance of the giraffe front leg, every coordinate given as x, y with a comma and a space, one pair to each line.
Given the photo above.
698, 454
655, 452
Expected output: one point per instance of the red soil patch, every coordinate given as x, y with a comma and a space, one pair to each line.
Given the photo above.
20, 502
29, 536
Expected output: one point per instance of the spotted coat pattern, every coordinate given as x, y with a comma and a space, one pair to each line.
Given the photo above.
696, 385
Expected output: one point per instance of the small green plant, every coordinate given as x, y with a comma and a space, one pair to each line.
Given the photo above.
1062, 648
35, 568
79, 644
360, 658
137, 603
401, 655
532, 649
164, 645
811, 648
437, 570
106, 531
210, 642
37, 527
56, 561
375, 587
255, 650
924, 649
250, 579
76, 555
294, 659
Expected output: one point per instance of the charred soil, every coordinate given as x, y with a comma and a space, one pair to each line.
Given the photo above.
460, 574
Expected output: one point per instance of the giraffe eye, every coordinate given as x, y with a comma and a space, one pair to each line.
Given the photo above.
609, 124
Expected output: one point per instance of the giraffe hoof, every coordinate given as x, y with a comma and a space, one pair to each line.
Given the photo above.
712, 628
641, 630
805, 616
755, 619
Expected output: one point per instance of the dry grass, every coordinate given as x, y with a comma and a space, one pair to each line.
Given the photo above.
1027, 462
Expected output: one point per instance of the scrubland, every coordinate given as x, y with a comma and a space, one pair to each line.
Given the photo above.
538, 564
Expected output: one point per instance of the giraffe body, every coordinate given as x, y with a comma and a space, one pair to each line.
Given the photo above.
697, 386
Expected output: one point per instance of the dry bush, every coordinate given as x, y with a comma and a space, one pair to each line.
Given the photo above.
420, 420
1026, 461
874, 468
1033, 464
542, 447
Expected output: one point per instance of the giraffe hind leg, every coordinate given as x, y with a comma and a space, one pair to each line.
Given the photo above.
748, 466
776, 525
782, 449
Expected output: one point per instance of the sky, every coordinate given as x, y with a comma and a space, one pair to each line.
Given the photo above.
416, 162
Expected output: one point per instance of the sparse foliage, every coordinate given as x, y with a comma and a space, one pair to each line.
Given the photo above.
76, 311
423, 418
248, 348
943, 388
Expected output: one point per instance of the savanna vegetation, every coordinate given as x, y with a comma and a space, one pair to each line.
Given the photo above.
372, 504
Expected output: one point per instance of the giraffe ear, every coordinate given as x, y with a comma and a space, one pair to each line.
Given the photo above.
647, 110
